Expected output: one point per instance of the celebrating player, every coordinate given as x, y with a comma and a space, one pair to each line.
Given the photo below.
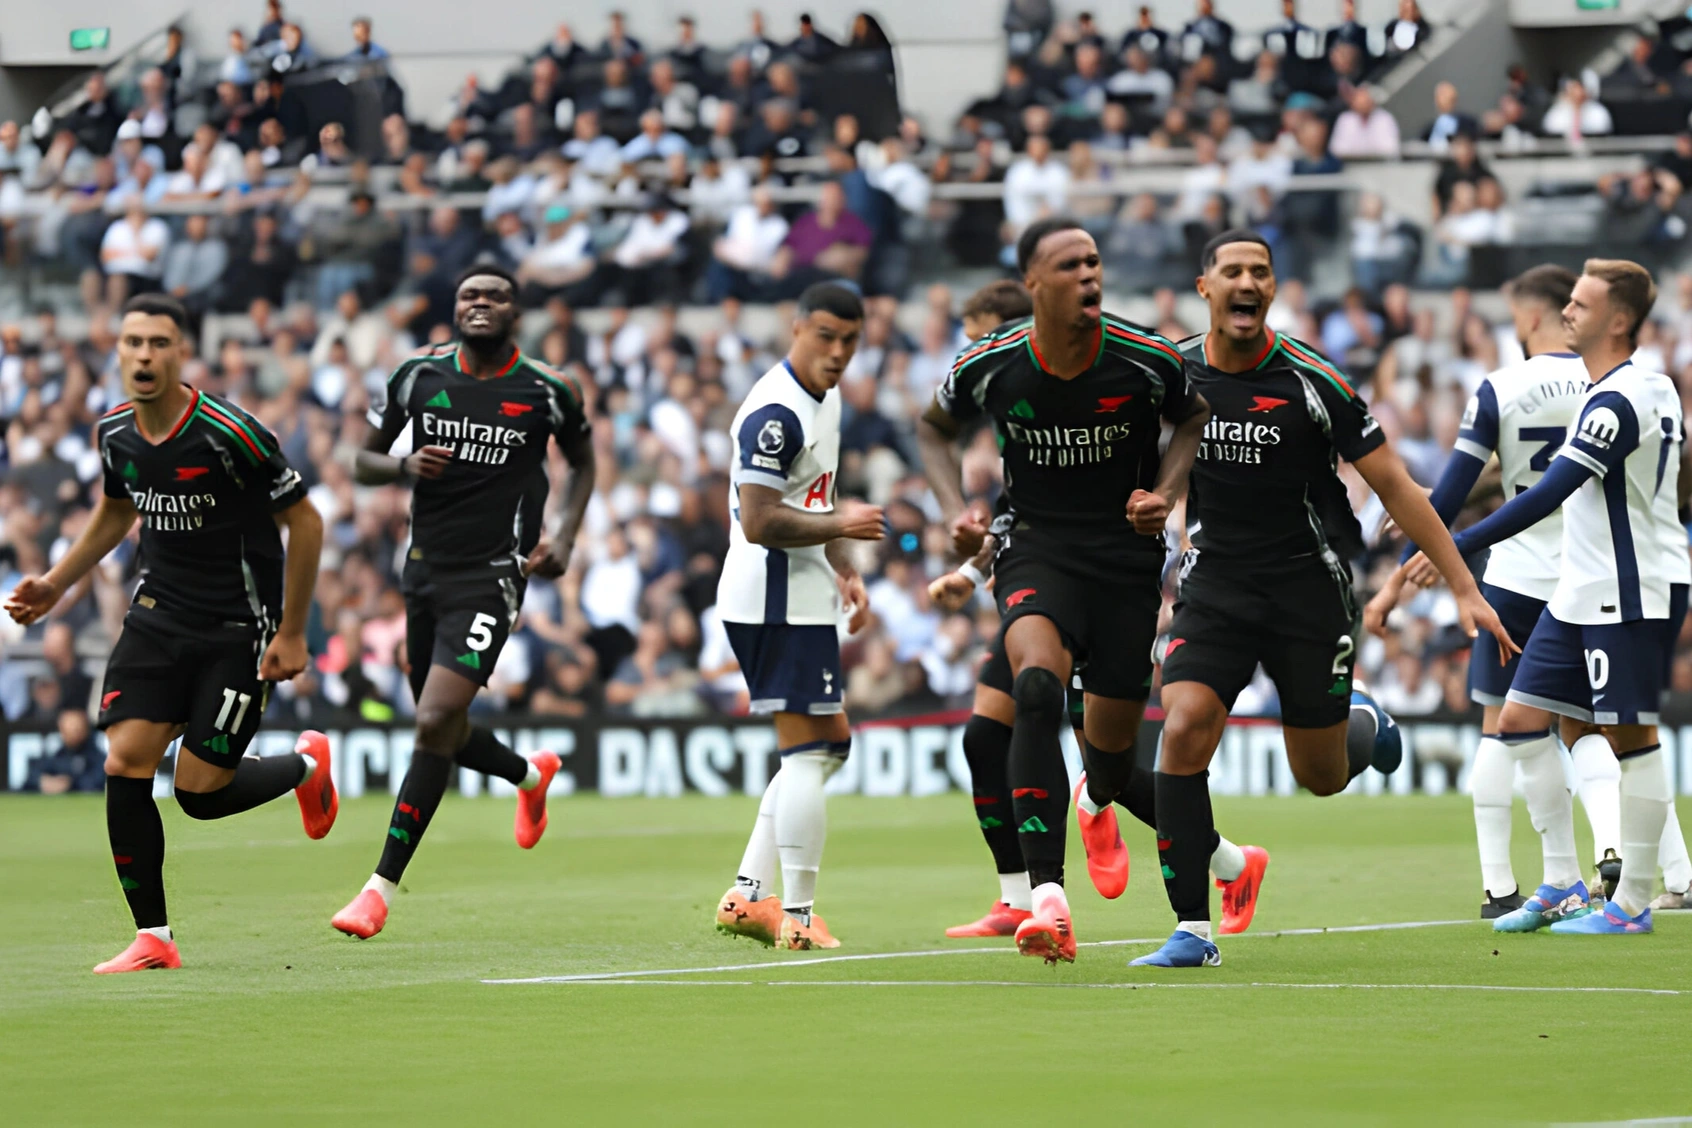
480, 414
987, 735
1267, 579
1076, 397
220, 613
1601, 650
784, 581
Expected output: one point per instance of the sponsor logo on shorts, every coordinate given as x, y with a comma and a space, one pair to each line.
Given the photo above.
1016, 597
1170, 649
1265, 403
106, 701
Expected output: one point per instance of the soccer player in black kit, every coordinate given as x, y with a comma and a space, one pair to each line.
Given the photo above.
481, 414
1077, 398
219, 615
1268, 579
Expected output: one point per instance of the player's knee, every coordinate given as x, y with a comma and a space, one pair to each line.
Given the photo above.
1038, 693
1322, 779
199, 805
1187, 740
435, 729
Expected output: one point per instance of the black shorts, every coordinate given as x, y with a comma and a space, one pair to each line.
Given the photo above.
199, 673
996, 674
457, 621
1300, 624
1109, 627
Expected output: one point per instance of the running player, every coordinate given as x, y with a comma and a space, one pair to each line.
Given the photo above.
1521, 413
1267, 580
785, 579
219, 616
1076, 398
1602, 648
480, 414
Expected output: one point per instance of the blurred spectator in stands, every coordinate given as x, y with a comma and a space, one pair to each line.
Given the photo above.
1379, 251
591, 149
1113, 133
347, 245
1640, 208
1140, 244
1084, 91
194, 265
153, 110
332, 149
363, 331
365, 50
649, 257
58, 650
1206, 34
973, 237
1575, 115
1233, 142
1036, 185
619, 101
654, 141
291, 53
1677, 162
195, 182
717, 189
777, 132
1089, 200
1260, 93
877, 681
1348, 69
825, 242
676, 100
1462, 165
1141, 80
1509, 125
810, 44
562, 49
653, 680
1407, 30
271, 29
619, 45
1348, 31
1201, 182
78, 764
132, 252
744, 254
1263, 166
1146, 35
234, 66
233, 116
1351, 334
562, 261
688, 53
1534, 97
224, 158
1026, 24
1637, 73
95, 119
260, 267
1464, 225
1448, 120
17, 155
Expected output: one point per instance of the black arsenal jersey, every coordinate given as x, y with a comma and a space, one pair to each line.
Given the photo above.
207, 494
1074, 450
1264, 488
485, 509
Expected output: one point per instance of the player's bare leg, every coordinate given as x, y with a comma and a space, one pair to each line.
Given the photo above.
1039, 782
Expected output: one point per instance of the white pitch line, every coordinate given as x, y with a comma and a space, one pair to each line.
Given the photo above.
604, 975
1114, 986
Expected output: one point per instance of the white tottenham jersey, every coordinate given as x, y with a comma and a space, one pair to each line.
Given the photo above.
788, 440
1523, 413
1623, 543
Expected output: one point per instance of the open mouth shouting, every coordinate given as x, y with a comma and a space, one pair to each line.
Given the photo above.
1244, 314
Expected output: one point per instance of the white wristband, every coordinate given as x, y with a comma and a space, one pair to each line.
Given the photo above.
970, 572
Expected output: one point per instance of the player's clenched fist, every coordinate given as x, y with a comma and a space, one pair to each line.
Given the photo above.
284, 658
427, 462
859, 520
31, 599
951, 591
1148, 512
968, 531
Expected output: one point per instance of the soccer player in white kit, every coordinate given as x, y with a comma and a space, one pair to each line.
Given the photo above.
1601, 650
784, 581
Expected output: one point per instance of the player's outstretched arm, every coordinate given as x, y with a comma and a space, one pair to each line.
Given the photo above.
769, 523
1451, 493
937, 443
287, 654
35, 596
1410, 508
1150, 512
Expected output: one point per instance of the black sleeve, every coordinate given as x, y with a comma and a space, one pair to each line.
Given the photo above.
111, 484
395, 412
1353, 431
1180, 398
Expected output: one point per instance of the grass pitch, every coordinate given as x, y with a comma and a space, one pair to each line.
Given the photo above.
277, 1019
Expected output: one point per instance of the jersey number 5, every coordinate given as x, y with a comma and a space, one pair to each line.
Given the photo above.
481, 633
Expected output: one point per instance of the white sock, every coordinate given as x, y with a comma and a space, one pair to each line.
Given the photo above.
801, 826
1014, 891
1050, 891
1549, 806
162, 932
1598, 783
757, 873
383, 886
1671, 854
310, 770
1084, 802
1645, 804
1228, 862
532, 780
1492, 776
1199, 928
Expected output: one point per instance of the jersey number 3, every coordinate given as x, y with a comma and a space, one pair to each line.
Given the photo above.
1550, 440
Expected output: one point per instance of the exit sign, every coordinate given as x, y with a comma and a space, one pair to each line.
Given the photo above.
98, 38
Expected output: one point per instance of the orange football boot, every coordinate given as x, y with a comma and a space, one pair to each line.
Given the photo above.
145, 952
758, 920
531, 804
803, 937
364, 917
318, 802
1048, 932
1239, 896
1001, 920
1107, 854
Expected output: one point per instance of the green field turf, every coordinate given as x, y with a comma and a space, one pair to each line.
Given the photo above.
276, 1019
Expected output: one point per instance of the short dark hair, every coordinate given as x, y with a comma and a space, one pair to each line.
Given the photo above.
477, 270
1004, 299
1035, 233
158, 305
831, 298
1207, 258
1550, 284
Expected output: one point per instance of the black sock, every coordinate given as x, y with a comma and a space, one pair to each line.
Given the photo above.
1107, 772
1359, 742
484, 753
1186, 838
1140, 795
258, 780
1039, 783
138, 845
986, 748
425, 784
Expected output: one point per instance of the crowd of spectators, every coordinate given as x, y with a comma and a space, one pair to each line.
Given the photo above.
617, 176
